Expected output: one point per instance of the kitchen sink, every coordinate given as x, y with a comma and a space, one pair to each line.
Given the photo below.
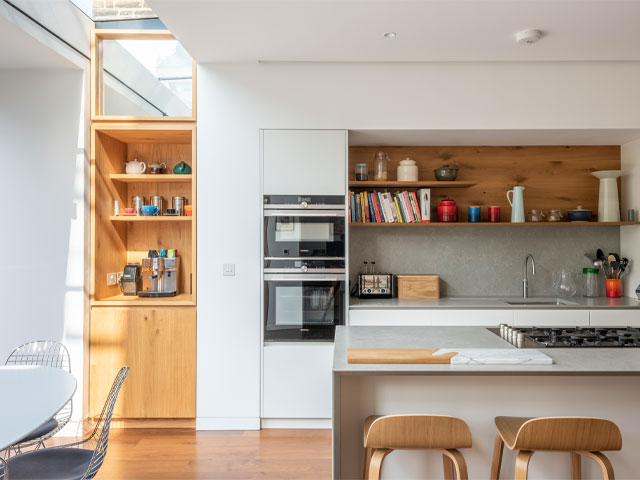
537, 301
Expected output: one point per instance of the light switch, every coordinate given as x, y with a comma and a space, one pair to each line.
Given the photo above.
229, 269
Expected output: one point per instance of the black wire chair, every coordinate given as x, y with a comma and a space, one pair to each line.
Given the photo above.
43, 353
4, 470
74, 461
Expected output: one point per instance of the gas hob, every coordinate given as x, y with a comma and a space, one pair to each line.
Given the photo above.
569, 337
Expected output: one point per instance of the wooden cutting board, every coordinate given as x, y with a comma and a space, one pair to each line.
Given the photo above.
397, 355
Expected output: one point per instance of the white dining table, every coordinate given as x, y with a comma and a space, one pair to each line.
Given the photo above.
29, 397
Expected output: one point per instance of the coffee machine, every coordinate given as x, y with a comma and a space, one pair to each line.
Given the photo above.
159, 277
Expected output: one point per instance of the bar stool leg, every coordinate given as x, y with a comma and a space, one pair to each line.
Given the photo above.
367, 460
522, 464
496, 463
453, 458
576, 466
602, 460
375, 467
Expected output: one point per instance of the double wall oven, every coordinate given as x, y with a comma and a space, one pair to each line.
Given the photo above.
304, 267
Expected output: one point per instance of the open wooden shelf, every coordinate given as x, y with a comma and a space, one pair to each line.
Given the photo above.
157, 218
496, 224
150, 178
421, 184
182, 299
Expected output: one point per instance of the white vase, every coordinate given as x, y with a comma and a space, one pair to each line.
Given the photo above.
608, 203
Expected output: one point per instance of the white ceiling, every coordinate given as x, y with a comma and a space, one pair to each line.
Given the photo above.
427, 30
492, 137
19, 50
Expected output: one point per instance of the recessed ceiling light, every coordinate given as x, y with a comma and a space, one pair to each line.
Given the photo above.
390, 35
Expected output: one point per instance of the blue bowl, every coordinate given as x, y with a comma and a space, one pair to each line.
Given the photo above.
149, 210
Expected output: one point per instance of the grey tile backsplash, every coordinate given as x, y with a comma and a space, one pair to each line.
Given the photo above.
480, 261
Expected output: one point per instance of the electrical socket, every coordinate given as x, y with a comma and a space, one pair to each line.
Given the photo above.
112, 278
120, 275
229, 269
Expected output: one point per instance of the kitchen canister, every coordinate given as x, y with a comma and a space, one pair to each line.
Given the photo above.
474, 214
447, 211
178, 204
158, 201
137, 203
407, 171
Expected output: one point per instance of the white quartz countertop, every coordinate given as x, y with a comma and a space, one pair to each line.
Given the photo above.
490, 303
566, 361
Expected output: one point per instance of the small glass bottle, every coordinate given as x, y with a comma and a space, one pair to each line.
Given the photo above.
590, 282
362, 172
380, 166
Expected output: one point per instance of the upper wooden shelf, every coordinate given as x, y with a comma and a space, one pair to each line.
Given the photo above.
150, 178
180, 300
495, 224
157, 218
421, 184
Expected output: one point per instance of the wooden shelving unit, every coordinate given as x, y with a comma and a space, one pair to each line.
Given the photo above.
410, 185
150, 178
182, 299
495, 224
144, 219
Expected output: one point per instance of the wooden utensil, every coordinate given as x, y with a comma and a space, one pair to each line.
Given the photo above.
397, 355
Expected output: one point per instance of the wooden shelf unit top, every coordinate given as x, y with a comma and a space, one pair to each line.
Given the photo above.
420, 184
495, 224
150, 178
157, 218
180, 300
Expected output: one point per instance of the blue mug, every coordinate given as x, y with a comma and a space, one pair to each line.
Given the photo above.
474, 214
149, 210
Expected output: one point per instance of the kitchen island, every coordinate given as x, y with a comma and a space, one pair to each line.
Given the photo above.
592, 382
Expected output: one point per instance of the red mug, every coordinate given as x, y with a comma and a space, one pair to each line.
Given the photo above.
494, 214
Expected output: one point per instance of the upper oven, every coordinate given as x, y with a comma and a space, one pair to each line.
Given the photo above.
306, 229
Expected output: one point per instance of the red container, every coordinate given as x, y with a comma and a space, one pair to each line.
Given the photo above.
447, 211
494, 214
614, 287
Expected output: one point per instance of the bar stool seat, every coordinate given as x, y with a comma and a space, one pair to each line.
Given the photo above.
384, 434
579, 436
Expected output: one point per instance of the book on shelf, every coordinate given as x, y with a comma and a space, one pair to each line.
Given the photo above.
388, 207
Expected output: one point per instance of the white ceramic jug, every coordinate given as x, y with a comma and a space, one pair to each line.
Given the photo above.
608, 205
517, 204
135, 167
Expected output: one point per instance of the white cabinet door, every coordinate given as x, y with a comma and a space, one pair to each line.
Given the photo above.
389, 317
614, 318
550, 318
297, 381
470, 318
304, 162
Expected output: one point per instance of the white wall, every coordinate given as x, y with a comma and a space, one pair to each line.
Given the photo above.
236, 100
630, 236
42, 155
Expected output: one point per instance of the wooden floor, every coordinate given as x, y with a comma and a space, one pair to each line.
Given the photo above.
139, 454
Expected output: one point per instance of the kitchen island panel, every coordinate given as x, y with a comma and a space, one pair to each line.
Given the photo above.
478, 400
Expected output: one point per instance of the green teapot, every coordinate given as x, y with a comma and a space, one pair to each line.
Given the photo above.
182, 168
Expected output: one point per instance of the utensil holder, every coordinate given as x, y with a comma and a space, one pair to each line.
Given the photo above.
614, 287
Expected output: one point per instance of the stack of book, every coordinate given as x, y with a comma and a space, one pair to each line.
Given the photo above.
385, 207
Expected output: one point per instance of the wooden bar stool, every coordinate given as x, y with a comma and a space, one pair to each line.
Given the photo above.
579, 436
384, 434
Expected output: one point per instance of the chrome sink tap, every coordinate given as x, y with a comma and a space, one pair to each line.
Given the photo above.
525, 278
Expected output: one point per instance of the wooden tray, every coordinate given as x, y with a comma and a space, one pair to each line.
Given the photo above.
397, 355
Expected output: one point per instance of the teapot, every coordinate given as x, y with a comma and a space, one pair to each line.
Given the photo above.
182, 168
135, 167
157, 167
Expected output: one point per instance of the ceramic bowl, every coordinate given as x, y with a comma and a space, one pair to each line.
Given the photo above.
149, 210
446, 173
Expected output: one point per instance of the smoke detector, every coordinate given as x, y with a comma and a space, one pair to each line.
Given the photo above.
527, 37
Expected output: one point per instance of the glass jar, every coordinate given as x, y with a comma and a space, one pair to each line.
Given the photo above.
536, 215
380, 166
564, 283
590, 282
554, 215
362, 172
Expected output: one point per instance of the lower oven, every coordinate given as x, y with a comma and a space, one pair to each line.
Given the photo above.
303, 306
